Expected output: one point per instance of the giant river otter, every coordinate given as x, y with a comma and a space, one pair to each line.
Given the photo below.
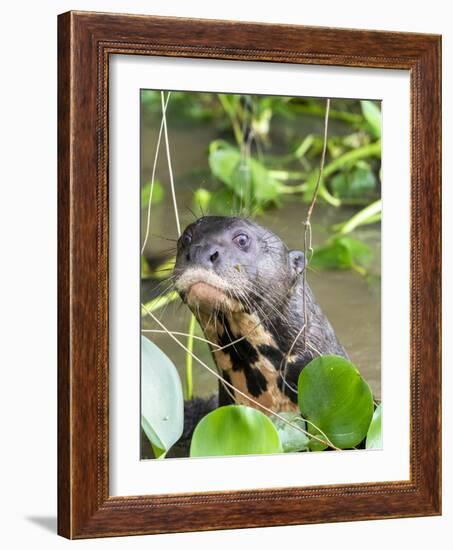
246, 290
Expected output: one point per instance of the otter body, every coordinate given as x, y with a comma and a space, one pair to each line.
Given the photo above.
246, 290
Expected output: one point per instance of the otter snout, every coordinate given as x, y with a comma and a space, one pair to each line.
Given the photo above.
205, 290
194, 275
205, 256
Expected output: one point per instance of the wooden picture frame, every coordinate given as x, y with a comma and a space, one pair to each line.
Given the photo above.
85, 41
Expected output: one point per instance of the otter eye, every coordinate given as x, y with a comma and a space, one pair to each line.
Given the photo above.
241, 240
186, 239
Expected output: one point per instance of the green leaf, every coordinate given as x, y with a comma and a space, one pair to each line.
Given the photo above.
158, 194
374, 435
372, 113
223, 202
341, 253
202, 199
335, 398
235, 430
370, 214
292, 439
223, 159
162, 403
245, 176
356, 183
359, 251
334, 255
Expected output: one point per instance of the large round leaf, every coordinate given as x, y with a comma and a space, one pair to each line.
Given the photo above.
235, 430
335, 398
374, 435
162, 406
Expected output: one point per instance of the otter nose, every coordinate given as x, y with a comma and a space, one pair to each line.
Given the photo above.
206, 256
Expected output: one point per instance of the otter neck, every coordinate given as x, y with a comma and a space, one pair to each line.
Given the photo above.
247, 354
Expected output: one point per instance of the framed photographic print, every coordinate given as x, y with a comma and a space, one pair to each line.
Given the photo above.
249, 275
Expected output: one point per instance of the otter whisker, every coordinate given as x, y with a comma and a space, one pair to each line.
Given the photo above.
256, 307
165, 308
215, 321
177, 333
164, 238
167, 251
158, 288
163, 270
164, 292
283, 301
265, 300
178, 306
192, 212
273, 305
261, 314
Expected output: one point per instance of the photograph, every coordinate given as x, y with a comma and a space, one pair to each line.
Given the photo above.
249, 273
260, 274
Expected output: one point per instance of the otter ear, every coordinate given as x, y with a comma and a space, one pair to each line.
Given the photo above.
297, 261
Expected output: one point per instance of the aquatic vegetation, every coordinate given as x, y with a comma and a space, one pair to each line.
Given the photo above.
253, 165
335, 400
336, 411
162, 407
374, 435
235, 430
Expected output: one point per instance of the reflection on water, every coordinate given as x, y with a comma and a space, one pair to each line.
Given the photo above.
351, 302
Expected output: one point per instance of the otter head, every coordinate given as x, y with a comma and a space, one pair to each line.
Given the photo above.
232, 264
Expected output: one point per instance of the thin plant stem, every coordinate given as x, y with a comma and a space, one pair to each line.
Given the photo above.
189, 358
307, 225
170, 171
153, 175
321, 166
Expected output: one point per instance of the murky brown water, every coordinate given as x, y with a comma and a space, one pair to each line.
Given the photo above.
351, 302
